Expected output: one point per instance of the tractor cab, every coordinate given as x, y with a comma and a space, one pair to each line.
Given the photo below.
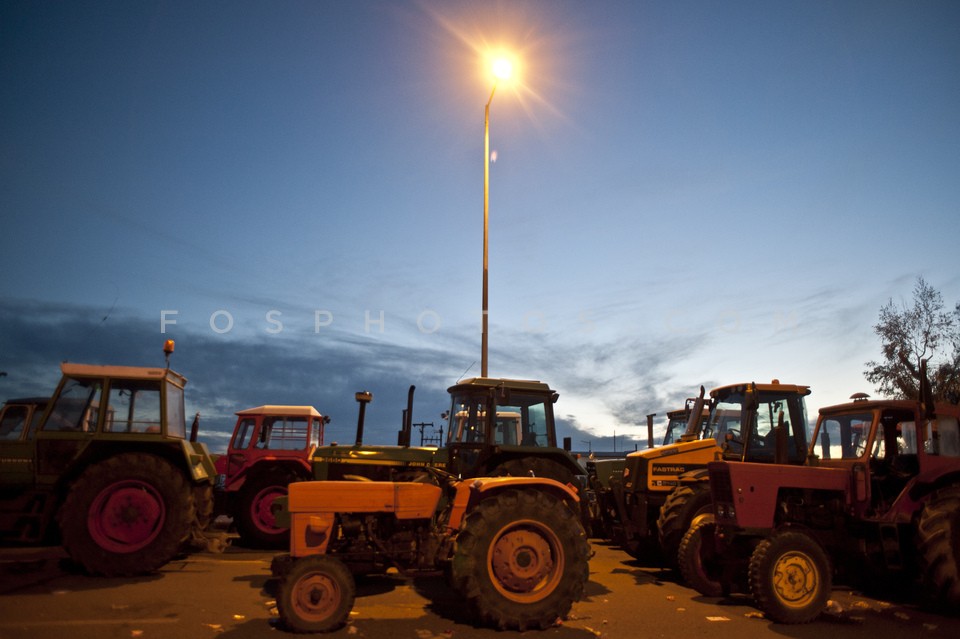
885, 445
747, 419
524, 420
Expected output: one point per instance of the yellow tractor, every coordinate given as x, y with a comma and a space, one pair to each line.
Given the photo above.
664, 490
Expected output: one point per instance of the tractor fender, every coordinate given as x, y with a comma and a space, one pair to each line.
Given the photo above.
200, 462
263, 466
694, 476
472, 491
921, 489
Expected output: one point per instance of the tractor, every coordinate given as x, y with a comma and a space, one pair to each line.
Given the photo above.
664, 490
105, 467
876, 504
495, 427
271, 447
604, 473
512, 548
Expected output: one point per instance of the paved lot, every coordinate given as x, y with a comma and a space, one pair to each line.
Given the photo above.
227, 596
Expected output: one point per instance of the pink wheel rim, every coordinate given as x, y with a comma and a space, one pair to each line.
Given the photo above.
261, 509
126, 516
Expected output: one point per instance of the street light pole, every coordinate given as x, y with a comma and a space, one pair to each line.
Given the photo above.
484, 333
502, 68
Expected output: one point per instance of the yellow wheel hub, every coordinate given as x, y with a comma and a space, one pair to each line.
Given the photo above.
795, 579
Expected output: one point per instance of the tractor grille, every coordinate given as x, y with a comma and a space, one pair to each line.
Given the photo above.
721, 489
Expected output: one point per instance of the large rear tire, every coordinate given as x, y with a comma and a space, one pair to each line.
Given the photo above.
938, 535
316, 595
256, 521
682, 509
127, 515
698, 561
539, 466
521, 560
790, 578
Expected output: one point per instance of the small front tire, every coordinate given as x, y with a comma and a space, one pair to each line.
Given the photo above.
316, 595
790, 578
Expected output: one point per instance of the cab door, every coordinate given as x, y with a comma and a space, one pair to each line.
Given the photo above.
17, 447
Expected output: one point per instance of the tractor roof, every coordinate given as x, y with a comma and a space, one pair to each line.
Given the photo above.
869, 404
124, 372
491, 382
28, 400
774, 387
271, 409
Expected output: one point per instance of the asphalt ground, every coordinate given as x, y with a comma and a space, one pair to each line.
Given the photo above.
232, 595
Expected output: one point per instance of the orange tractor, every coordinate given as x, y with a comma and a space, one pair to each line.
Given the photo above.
512, 547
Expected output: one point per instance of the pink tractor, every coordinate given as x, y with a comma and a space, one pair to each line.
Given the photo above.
270, 448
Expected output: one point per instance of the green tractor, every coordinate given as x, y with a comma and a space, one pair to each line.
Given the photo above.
606, 473
495, 427
105, 467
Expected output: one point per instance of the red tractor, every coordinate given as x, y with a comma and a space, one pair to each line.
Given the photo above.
271, 447
878, 502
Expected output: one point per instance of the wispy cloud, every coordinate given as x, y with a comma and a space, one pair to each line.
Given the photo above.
605, 387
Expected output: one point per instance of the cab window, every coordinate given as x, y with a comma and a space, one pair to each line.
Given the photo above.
76, 407
11, 426
532, 413
134, 407
244, 433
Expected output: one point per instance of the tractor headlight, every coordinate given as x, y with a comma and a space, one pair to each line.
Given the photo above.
725, 511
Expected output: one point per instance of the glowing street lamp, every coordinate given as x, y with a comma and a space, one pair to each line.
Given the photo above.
502, 69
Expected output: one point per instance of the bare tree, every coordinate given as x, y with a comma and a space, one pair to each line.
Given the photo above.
911, 333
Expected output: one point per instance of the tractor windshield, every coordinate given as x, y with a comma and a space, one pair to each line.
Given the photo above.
521, 420
730, 418
675, 427
176, 423
724, 421
843, 436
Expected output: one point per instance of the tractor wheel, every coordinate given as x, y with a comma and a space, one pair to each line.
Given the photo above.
551, 469
790, 578
127, 515
203, 501
521, 560
316, 595
938, 535
698, 561
256, 522
535, 466
682, 509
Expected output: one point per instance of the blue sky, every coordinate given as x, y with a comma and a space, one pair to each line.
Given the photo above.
684, 193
